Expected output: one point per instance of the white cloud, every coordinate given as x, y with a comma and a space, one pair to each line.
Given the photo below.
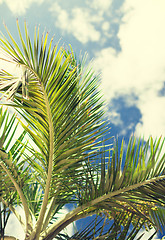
86, 24
19, 7
78, 22
14, 227
82, 27
100, 5
139, 68
153, 115
106, 26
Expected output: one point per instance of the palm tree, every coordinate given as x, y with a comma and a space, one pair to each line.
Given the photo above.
60, 156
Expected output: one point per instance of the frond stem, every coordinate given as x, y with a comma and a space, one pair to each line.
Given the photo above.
35, 234
49, 213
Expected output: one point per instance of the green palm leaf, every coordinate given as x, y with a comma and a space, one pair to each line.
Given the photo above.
115, 183
60, 107
102, 228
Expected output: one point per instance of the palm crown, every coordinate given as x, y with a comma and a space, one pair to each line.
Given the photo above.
58, 158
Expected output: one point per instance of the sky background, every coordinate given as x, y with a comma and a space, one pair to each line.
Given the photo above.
125, 40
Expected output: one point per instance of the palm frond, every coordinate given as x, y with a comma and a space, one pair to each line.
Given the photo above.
101, 228
115, 183
61, 107
58, 94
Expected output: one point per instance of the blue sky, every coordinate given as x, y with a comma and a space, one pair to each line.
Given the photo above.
124, 39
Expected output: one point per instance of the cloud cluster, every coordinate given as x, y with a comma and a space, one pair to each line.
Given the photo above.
100, 5
78, 22
82, 22
19, 7
139, 68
